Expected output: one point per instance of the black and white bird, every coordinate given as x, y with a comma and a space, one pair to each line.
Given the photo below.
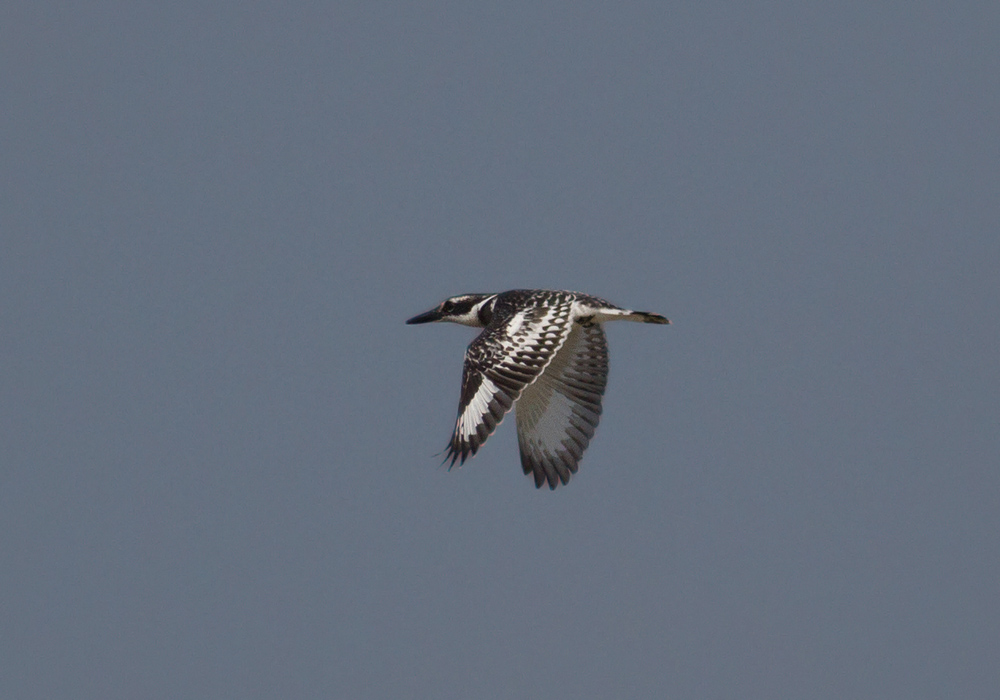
544, 351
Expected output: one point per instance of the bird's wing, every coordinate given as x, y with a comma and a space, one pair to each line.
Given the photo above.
499, 364
557, 415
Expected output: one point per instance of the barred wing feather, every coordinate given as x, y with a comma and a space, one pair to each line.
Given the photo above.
558, 414
499, 364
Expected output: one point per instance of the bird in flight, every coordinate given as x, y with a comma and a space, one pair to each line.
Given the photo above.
544, 351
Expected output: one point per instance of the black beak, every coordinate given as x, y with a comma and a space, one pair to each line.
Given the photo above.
432, 315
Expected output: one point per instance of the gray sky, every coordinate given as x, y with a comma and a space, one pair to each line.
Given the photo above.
217, 436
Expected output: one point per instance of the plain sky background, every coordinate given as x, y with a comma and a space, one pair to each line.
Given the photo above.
217, 437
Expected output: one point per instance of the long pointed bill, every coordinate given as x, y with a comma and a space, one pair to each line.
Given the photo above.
432, 315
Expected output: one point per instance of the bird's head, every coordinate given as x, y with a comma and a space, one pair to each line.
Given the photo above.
467, 309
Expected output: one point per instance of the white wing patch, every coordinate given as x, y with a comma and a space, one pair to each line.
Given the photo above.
558, 414
483, 414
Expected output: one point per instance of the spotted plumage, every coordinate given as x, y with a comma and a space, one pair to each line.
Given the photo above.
543, 351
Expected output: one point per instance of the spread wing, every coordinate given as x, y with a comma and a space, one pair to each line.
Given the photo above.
557, 415
499, 364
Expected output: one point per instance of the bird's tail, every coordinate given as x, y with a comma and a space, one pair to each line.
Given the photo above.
645, 317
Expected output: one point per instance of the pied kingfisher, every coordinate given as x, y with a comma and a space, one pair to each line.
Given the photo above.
546, 352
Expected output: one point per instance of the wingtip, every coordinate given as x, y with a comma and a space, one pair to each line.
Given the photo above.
458, 454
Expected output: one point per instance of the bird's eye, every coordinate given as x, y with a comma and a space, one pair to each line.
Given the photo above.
448, 306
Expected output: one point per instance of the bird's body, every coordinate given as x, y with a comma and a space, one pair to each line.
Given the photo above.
544, 351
